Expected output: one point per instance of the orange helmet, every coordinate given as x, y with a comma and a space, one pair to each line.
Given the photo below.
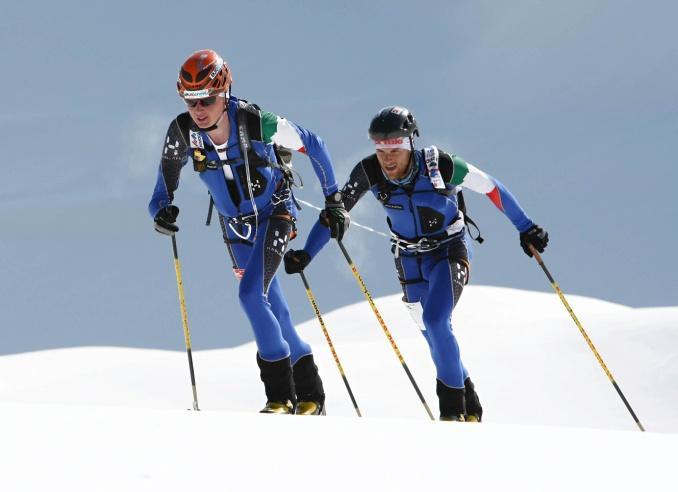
203, 74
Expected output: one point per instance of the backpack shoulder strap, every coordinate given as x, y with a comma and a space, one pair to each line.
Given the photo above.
445, 165
431, 157
249, 116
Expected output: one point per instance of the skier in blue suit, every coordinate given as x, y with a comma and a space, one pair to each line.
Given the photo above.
237, 151
418, 190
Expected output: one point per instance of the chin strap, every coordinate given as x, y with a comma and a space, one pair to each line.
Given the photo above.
216, 124
225, 95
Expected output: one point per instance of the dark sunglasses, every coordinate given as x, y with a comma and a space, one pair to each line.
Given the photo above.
205, 102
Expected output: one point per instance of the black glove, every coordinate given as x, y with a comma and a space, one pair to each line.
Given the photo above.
335, 216
296, 260
537, 237
165, 219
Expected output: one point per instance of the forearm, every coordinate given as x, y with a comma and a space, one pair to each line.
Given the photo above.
161, 197
317, 239
508, 204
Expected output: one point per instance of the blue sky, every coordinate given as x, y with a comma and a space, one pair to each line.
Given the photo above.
573, 106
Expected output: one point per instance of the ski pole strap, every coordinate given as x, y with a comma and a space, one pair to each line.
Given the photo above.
469, 222
461, 205
209, 211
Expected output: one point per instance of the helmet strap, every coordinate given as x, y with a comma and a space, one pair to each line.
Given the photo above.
216, 123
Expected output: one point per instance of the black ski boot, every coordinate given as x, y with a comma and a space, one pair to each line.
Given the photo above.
451, 402
309, 387
474, 411
278, 384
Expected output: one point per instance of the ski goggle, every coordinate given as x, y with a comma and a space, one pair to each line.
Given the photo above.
204, 102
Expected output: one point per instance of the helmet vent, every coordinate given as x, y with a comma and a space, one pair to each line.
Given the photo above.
186, 76
203, 73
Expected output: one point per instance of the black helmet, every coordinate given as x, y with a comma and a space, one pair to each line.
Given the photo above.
393, 122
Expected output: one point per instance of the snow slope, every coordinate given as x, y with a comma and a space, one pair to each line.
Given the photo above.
104, 449
106, 418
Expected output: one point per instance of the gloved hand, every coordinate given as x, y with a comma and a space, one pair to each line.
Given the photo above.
335, 216
165, 219
537, 237
296, 260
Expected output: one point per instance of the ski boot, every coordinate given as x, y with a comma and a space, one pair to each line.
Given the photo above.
451, 402
279, 386
309, 387
453, 418
279, 407
474, 411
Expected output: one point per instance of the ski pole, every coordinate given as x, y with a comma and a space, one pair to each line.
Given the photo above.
583, 332
363, 287
184, 320
311, 298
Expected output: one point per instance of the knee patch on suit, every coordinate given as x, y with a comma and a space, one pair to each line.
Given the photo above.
416, 312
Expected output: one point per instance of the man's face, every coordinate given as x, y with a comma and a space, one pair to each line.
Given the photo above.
394, 162
205, 112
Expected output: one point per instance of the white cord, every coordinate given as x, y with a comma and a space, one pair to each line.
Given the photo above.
353, 222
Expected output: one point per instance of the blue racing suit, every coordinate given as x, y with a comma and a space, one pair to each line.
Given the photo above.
255, 210
429, 241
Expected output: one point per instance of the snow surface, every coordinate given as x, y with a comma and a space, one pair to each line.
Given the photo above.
107, 418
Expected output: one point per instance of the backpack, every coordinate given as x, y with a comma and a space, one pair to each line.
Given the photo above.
248, 118
432, 158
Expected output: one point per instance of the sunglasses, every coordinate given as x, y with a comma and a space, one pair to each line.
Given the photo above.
204, 102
